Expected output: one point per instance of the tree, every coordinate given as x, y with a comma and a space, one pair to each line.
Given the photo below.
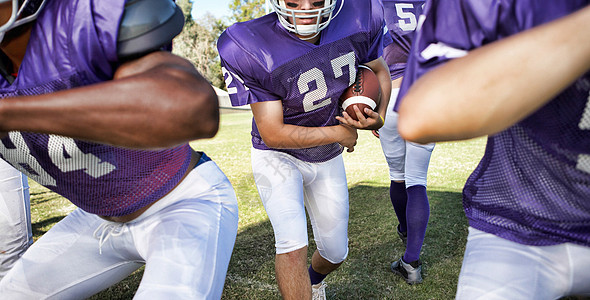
198, 40
245, 10
197, 43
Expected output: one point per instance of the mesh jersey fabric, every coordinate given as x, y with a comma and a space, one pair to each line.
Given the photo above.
73, 43
532, 185
401, 18
262, 61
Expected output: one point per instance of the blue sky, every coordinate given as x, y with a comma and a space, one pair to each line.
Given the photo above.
219, 8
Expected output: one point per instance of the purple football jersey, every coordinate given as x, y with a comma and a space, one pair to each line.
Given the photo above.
533, 184
401, 17
262, 61
73, 43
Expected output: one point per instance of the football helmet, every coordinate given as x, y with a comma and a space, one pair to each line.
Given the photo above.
322, 15
23, 11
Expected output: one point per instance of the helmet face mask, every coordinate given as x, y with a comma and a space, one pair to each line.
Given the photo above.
298, 20
16, 17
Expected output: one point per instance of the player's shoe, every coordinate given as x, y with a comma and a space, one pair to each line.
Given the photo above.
402, 235
318, 291
412, 272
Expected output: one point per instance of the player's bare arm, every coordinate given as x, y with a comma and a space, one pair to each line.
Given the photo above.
375, 118
276, 134
380, 68
436, 110
159, 100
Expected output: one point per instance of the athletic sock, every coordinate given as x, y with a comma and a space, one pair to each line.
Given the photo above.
399, 200
417, 214
314, 276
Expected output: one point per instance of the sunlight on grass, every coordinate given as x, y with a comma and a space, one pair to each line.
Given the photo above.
373, 243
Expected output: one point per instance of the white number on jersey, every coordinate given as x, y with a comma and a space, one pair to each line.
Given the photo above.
229, 79
407, 19
584, 159
59, 147
346, 61
75, 160
21, 158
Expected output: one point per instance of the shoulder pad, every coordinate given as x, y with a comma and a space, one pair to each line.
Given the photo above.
148, 25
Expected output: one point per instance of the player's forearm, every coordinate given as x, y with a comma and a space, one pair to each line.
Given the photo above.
297, 137
155, 109
497, 85
381, 70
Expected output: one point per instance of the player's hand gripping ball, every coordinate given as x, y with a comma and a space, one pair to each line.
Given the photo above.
364, 92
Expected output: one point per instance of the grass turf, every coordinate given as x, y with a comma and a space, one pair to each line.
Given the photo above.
373, 242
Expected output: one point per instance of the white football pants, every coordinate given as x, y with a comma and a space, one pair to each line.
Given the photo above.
407, 161
15, 216
496, 268
287, 186
185, 241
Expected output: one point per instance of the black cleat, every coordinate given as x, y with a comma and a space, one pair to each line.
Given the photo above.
402, 235
412, 272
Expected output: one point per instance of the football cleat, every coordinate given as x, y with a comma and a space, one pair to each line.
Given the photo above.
412, 272
318, 291
402, 235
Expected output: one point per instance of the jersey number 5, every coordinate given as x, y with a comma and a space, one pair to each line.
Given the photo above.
404, 12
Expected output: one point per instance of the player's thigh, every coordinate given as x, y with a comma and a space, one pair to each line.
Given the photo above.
15, 224
417, 161
280, 187
393, 146
67, 263
188, 245
14, 203
496, 268
326, 199
579, 257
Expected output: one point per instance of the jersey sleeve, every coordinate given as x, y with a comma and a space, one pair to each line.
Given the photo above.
451, 28
245, 78
401, 17
387, 39
94, 29
376, 31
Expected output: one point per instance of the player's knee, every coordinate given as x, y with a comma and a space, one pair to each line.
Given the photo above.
415, 180
395, 161
396, 176
286, 246
334, 255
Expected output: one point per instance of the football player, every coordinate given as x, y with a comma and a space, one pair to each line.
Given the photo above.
407, 161
16, 234
524, 70
98, 114
291, 66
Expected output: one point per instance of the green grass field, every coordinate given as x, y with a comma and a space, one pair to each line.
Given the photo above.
373, 243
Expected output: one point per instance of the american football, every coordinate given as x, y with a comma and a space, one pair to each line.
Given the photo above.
364, 92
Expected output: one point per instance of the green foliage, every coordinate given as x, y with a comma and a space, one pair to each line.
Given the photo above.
198, 40
245, 10
197, 43
373, 242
